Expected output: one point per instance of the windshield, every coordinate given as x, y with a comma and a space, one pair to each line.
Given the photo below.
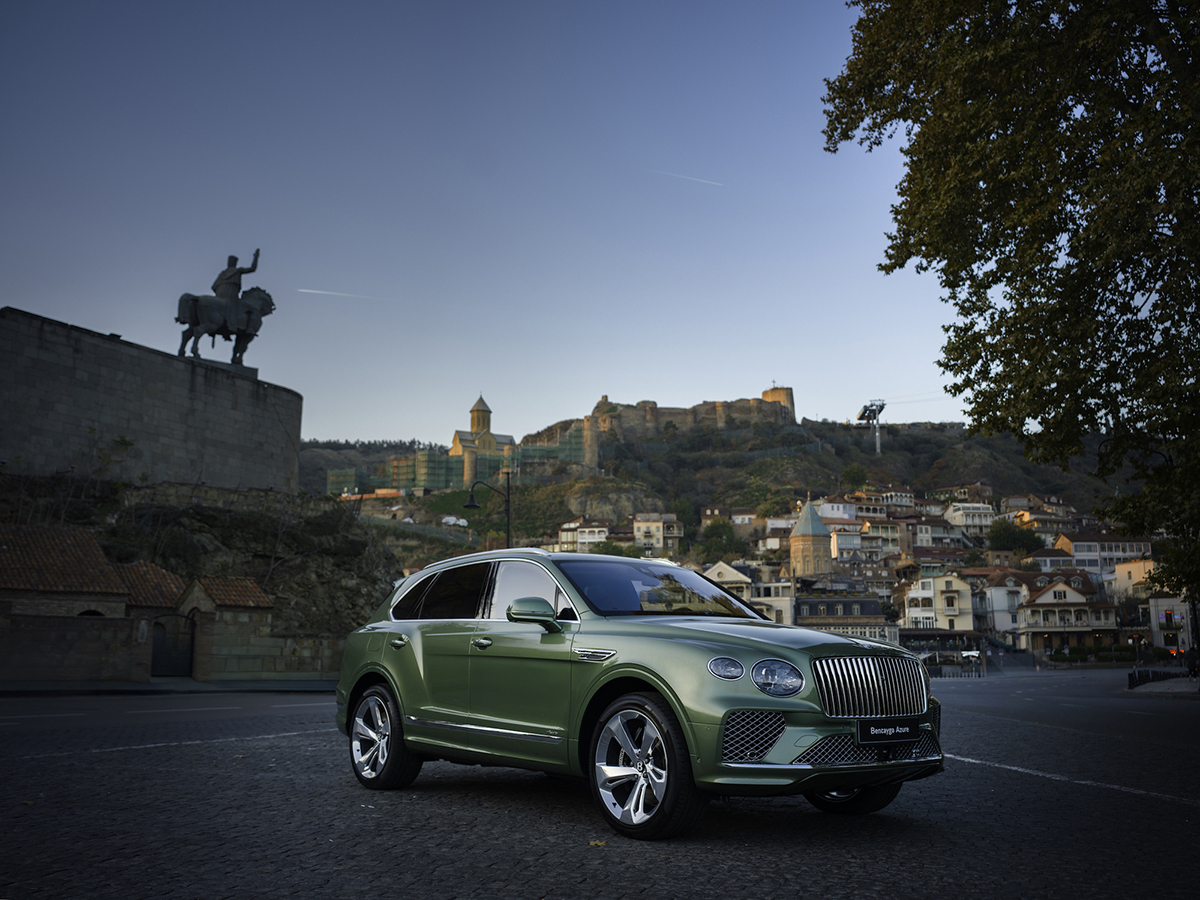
615, 587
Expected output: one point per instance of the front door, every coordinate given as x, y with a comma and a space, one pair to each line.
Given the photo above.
520, 673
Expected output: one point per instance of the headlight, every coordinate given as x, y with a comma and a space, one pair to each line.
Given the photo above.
724, 667
776, 677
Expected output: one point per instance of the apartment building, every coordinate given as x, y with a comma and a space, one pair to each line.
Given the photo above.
658, 533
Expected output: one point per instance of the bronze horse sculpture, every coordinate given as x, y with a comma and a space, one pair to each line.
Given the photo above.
211, 315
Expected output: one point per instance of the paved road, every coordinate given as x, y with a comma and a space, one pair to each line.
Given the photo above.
1058, 785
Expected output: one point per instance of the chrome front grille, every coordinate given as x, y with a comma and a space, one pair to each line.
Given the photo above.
750, 734
843, 750
859, 687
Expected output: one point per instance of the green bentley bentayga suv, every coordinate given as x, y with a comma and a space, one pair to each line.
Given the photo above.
656, 685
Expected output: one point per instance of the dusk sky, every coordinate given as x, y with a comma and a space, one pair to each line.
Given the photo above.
542, 202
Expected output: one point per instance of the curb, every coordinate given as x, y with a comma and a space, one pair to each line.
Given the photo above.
78, 689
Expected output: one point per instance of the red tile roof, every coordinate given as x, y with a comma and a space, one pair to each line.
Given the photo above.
233, 591
151, 585
55, 559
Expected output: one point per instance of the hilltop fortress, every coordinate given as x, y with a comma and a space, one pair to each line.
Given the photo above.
480, 453
646, 420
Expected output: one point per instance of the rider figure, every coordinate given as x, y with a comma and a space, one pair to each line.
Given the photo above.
228, 287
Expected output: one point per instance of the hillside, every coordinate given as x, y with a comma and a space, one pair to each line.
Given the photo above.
764, 469
326, 569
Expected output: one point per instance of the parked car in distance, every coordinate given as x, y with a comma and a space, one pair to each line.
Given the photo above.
653, 683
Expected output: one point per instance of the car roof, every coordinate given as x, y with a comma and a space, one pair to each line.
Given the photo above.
539, 554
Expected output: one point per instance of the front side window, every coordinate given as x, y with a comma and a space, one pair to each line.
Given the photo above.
635, 588
516, 579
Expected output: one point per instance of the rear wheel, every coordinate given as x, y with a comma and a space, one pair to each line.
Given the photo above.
855, 802
641, 772
377, 752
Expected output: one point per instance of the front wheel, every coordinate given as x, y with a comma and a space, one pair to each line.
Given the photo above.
641, 773
377, 752
856, 802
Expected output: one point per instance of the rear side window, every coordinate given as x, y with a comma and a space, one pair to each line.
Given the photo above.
410, 602
456, 593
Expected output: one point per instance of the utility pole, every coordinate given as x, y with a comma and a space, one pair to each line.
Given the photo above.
870, 415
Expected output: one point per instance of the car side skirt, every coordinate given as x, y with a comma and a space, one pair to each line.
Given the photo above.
480, 729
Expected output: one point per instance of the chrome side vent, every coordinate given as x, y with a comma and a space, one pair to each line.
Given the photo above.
864, 687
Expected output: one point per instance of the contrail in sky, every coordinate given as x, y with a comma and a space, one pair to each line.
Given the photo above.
336, 294
688, 177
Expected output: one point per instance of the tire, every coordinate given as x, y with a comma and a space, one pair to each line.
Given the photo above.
641, 773
857, 802
377, 753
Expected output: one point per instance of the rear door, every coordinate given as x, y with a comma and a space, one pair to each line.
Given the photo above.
429, 651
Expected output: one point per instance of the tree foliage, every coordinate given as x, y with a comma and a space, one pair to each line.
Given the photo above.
1006, 535
1052, 182
613, 548
854, 476
721, 542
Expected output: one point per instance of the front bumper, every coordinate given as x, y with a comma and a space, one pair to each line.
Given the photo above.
795, 753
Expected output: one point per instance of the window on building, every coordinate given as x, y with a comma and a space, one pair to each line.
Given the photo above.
950, 624
856, 609
820, 609
1060, 595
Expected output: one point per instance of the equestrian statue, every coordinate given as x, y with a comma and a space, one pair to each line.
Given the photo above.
229, 311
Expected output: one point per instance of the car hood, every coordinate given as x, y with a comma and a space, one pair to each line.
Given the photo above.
752, 632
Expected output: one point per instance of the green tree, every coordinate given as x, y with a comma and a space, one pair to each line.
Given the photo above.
612, 548
776, 505
720, 542
1052, 181
854, 476
1006, 535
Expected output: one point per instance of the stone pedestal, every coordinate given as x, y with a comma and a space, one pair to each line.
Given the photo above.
245, 371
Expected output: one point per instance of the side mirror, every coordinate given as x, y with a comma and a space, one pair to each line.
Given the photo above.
536, 610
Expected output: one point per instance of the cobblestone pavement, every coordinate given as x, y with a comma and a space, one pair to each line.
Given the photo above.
1034, 802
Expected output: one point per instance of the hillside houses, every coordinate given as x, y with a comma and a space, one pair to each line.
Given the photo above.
925, 562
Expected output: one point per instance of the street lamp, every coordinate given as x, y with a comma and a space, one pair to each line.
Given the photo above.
472, 503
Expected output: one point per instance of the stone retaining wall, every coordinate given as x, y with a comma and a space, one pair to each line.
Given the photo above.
73, 648
237, 645
69, 394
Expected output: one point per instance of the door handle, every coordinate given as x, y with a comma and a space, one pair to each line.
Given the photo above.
482, 643
399, 641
